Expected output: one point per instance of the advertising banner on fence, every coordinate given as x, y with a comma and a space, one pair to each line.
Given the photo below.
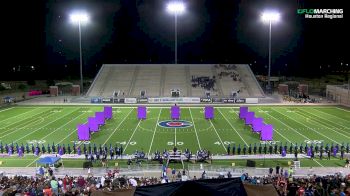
96, 100
130, 100
206, 100
175, 100
142, 100
107, 100
118, 100
240, 101
252, 100
216, 100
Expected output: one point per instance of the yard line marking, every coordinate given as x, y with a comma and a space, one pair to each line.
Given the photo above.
17, 117
6, 109
62, 126
117, 127
342, 109
33, 161
22, 127
138, 124
195, 130
217, 135
45, 125
328, 127
308, 126
287, 126
335, 117
233, 127
175, 137
318, 162
154, 132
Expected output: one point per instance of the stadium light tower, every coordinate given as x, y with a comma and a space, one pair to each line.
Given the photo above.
176, 7
80, 18
270, 17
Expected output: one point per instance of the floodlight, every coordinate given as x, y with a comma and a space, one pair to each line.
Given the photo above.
176, 7
270, 17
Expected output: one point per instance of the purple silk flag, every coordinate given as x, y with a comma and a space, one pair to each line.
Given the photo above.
209, 112
93, 125
83, 132
257, 124
175, 112
249, 118
266, 133
100, 118
108, 112
242, 112
141, 112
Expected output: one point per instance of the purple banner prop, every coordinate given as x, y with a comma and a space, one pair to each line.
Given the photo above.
267, 133
108, 112
242, 112
249, 118
257, 124
141, 112
175, 112
100, 118
93, 126
209, 112
83, 132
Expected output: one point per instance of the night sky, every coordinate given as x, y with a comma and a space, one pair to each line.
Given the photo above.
38, 33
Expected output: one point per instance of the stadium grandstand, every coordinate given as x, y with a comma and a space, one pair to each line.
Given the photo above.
229, 106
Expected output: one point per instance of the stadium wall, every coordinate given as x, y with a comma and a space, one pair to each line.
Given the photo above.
339, 94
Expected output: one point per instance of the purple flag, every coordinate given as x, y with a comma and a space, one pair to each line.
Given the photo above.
108, 112
141, 112
83, 132
209, 112
175, 112
242, 112
93, 126
267, 133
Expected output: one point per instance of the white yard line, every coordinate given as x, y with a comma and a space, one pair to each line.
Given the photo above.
154, 132
218, 135
175, 138
6, 109
195, 130
62, 126
16, 116
233, 127
333, 116
342, 109
21, 119
318, 163
328, 127
138, 124
286, 126
22, 127
308, 126
33, 161
279, 132
117, 127
45, 125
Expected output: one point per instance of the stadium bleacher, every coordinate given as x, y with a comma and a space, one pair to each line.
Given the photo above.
158, 80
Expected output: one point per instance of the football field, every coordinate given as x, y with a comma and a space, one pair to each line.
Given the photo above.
57, 124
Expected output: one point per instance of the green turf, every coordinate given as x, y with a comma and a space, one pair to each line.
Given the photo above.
292, 124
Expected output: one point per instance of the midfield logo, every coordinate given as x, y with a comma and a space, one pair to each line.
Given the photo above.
175, 124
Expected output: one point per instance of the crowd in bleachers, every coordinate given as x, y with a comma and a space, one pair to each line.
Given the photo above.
228, 70
283, 180
204, 82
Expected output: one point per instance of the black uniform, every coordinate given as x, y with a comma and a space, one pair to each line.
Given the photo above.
244, 150
250, 149
270, 149
228, 149
254, 149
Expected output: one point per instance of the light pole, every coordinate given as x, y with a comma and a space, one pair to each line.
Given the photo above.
176, 7
79, 18
270, 17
